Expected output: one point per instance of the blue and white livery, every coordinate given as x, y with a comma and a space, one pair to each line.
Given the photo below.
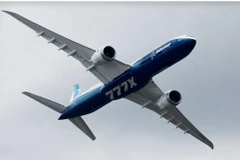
119, 80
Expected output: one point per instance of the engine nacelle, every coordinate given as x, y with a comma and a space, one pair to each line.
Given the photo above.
104, 54
171, 98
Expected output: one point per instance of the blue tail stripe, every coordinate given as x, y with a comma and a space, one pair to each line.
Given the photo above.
76, 91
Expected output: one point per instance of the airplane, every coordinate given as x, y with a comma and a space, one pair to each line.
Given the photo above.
119, 80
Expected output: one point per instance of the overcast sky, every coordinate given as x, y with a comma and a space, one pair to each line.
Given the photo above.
208, 80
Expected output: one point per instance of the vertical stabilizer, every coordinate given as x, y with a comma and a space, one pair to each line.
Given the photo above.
76, 92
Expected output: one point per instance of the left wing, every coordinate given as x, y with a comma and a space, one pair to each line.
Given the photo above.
105, 72
148, 96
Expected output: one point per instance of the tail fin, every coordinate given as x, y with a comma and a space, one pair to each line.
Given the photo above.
76, 92
77, 121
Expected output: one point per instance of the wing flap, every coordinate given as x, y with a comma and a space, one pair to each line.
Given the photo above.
53, 37
172, 115
105, 72
188, 127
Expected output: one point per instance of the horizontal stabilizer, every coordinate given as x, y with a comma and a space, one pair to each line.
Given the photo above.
79, 122
51, 104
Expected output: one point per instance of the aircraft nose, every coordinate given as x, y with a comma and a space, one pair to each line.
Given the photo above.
191, 42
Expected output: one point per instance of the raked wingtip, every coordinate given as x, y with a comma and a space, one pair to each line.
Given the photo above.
5, 11
10, 13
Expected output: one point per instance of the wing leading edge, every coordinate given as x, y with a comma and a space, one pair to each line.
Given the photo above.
148, 97
105, 72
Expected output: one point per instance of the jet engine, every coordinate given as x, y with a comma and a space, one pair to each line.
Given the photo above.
171, 98
104, 54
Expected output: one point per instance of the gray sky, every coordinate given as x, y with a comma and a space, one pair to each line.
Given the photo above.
208, 80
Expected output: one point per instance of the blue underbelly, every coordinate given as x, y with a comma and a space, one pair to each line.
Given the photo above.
130, 81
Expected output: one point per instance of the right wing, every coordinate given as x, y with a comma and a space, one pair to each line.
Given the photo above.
105, 72
148, 96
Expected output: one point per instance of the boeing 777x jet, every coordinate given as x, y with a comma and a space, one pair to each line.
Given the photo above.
119, 80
